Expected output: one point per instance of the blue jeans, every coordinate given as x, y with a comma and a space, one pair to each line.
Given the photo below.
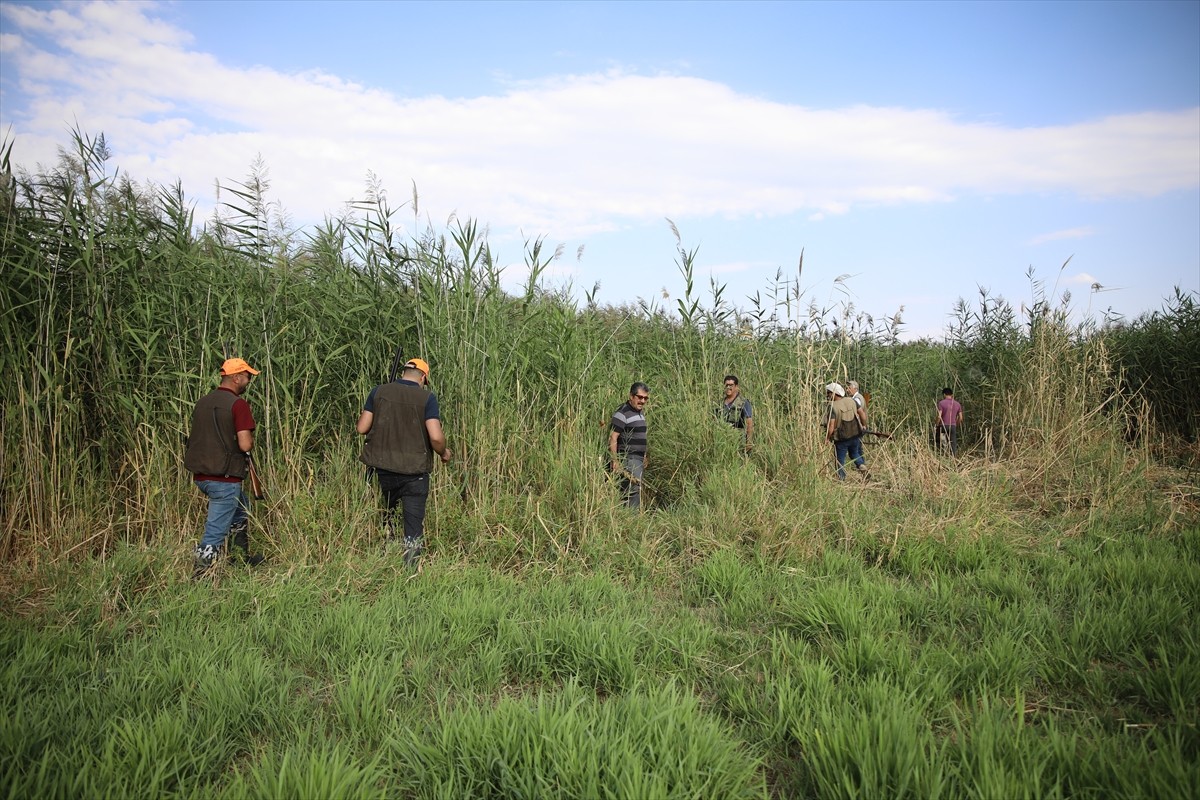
852, 448
227, 506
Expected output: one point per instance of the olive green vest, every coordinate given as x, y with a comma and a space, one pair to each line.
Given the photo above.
735, 413
398, 441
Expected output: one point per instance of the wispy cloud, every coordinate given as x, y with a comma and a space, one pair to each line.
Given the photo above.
1068, 233
1082, 278
568, 156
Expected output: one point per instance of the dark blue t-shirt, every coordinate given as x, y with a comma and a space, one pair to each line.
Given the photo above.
431, 403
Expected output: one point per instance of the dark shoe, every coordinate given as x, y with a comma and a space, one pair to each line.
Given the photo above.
252, 560
241, 543
412, 552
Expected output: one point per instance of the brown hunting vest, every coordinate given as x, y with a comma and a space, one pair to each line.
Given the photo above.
398, 441
212, 448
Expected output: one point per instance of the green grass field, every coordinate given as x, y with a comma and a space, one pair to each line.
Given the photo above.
989, 662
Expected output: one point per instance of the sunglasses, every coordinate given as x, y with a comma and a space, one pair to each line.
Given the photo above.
641, 397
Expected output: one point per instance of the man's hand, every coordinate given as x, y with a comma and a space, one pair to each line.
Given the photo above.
445, 456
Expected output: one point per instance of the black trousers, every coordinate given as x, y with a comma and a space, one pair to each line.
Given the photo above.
409, 493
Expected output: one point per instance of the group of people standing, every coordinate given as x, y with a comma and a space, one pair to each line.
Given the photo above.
402, 424
403, 428
627, 433
846, 424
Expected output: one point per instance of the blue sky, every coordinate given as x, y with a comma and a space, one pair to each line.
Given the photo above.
914, 152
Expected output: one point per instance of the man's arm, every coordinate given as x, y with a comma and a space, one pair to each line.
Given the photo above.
243, 425
749, 429
365, 421
437, 439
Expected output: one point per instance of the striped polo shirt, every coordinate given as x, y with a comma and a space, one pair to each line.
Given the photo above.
630, 426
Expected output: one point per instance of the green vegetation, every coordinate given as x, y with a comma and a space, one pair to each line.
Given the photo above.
1018, 622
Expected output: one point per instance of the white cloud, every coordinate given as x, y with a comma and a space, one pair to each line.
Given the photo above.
1068, 233
568, 156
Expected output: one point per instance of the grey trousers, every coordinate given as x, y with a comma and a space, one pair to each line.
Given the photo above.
634, 465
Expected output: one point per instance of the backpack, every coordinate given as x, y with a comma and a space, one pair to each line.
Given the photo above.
847, 428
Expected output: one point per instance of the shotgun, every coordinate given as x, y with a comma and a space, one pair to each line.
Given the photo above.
256, 487
617, 470
396, 364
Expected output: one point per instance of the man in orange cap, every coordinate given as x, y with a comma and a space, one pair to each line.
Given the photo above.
218, 455
403, 427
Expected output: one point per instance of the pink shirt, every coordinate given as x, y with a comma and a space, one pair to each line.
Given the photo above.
949, 408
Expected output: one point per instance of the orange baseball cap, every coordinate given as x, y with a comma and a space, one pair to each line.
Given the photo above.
233, 366
416, 363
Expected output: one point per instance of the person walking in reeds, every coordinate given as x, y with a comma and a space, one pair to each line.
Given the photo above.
949, 417
218, 456
854, 394
403, 426
736, 410
627, 443
844, 427
860, 400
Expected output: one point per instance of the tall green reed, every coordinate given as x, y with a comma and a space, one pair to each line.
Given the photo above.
117, 312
